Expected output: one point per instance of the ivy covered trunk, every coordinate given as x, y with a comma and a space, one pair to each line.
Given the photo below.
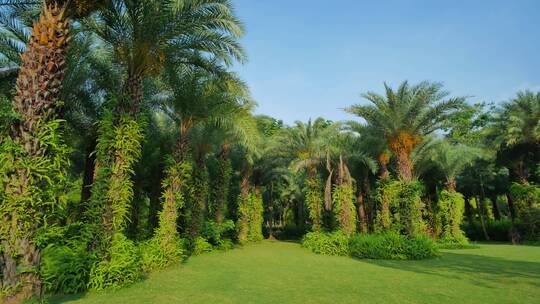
222, 184
33, 158
250, 212
451, 209
344, 208
200, 199
314, 200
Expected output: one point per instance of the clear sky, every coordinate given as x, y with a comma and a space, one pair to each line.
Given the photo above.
310, 58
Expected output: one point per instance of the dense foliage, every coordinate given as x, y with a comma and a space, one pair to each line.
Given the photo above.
140, 147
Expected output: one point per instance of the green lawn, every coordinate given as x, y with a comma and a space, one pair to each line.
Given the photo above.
281, 272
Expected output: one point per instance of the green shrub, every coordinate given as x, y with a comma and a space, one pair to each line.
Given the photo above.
225, 244
498, 231
392, 246
122, 266
155, 253
335, 243
200, 245
64, 269
214, 232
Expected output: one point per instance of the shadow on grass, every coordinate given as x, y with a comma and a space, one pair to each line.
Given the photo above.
482, 270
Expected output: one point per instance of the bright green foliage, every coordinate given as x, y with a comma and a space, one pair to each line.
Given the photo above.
201, 245
121, 268
314, 201
334, 243
250, 218
219, 235
405, 207
344, 208
32, 190
526, 198
157, 253
118, 148
392, 246
166, 246
128, 137
451, 206
65, 269
43, 181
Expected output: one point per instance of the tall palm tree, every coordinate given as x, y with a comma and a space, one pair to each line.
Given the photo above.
404, 116
517, 132
38, 88
309, 143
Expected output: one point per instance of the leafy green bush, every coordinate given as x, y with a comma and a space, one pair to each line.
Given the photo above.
122, 266
215, 233
335, 243
155, 253
200, 245
498, 231
392, 246
64, 269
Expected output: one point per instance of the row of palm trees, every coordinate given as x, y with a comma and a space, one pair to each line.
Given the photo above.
107, 61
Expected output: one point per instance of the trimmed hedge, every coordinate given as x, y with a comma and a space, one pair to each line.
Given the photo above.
335, 243
385, 246
392, 246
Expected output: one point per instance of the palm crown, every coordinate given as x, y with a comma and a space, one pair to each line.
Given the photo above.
404, 116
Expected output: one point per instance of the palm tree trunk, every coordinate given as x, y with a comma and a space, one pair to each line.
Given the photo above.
480, 208
495, 206
37, 90
362, 222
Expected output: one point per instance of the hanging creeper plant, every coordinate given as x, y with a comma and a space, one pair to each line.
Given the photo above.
314, 201
451, 207
32, 188
166, 246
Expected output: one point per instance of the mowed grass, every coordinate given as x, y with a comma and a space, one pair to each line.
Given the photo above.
282, 272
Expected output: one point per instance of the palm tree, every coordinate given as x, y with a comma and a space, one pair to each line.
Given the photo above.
517, 132
452, 159
199, 102
38, 88
146, 35
404, 116
308, 143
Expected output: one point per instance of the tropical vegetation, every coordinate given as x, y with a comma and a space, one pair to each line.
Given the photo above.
128, 144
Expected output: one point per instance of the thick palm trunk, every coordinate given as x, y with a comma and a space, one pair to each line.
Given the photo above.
37, 89
404, 167
362, 221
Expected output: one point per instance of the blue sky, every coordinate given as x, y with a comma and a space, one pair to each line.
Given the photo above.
310, 58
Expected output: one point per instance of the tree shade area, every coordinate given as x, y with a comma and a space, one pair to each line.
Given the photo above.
129, 151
